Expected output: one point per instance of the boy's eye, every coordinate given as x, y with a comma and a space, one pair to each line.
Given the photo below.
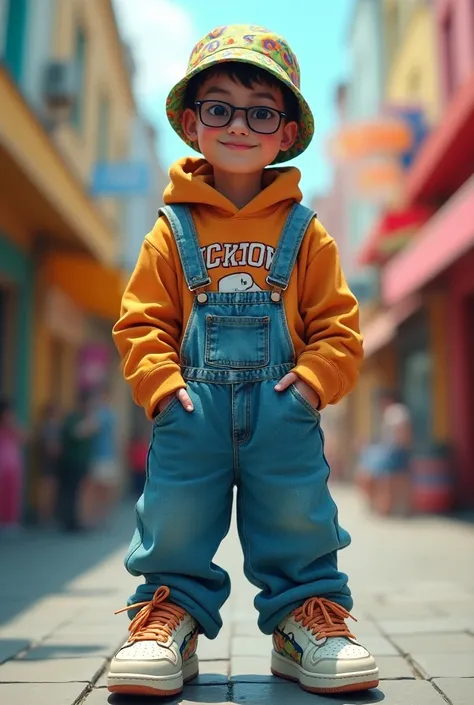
218, 110
262, 114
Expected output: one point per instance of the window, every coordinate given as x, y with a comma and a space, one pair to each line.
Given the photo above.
103, 129
79, 68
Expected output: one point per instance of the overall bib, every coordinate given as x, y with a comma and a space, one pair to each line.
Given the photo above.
241, 433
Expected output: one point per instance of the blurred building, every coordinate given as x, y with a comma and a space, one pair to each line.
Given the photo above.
76, 165
418, 336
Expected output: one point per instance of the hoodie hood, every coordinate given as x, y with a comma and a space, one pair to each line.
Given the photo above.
192, 182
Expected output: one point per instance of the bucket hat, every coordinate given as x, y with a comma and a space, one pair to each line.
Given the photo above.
249, 44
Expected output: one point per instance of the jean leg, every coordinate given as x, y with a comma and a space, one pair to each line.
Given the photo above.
184, 512
287, 519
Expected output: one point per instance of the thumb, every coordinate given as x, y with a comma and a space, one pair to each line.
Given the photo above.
285, 381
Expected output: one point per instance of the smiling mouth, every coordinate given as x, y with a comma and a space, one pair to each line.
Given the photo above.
237, 146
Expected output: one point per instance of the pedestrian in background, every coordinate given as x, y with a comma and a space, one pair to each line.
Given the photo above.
12, 439
77, 436
48, 449
102, 482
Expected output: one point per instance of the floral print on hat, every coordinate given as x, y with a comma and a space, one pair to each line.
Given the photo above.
254, 45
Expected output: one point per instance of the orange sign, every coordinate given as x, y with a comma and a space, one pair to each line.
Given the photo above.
372, 138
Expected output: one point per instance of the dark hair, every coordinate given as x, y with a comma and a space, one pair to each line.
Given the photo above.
248, 76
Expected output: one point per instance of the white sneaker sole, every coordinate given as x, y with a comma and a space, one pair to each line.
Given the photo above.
322, 683
145, 684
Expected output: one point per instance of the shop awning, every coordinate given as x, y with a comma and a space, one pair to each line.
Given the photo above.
94, 288
380, 330
38, 186
391, 232
446, 158
444, 238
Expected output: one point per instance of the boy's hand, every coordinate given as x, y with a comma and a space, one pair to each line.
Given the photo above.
183, 398
303, 387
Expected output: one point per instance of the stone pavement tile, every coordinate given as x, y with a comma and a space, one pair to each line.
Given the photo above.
405, 610
247, 669
51, 671
433, 625
243, 646
212, 672
433, 590
79, 646
11, 647
214, 649
460, 691
405, 693
280, 692
93, 630
394, 667
44, 693
444, 665
379, 646
245, 628
455, 609
434, 643
192, 695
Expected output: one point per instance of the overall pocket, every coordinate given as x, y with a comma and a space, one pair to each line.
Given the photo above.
238, 342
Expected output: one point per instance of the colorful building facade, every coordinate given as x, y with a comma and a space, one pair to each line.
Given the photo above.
66, 106
420, 340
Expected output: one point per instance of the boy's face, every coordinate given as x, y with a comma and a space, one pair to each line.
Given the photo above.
235, 148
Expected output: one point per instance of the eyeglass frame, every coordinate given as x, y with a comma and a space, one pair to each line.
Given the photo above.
233, 110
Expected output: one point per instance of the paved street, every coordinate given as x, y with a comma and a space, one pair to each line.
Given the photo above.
413, 583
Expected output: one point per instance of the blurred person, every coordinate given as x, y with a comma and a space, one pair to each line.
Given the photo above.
102, 482
12, 439
48, 449
137, 456
77, 435
392, 456
237, 328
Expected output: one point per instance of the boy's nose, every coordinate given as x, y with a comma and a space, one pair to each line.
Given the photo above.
238, 124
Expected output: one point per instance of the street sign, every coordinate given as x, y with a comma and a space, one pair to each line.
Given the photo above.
120, 179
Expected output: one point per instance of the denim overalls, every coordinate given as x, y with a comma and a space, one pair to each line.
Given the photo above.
242, 432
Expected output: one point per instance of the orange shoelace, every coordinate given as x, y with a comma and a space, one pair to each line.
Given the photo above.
156, 619
324, 618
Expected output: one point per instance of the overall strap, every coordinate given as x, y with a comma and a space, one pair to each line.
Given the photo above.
289, 245
184, 232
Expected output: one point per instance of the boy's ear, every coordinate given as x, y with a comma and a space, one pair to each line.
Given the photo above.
290, 133
189, 124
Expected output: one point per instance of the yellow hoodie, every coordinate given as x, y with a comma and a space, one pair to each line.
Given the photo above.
322, 313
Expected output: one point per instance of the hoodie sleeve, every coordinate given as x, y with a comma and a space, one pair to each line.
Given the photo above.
333, 354
148, 332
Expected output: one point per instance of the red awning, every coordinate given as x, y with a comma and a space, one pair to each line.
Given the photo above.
446, 158
442, 241
392, 231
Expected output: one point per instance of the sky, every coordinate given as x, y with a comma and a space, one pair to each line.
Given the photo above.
162, 34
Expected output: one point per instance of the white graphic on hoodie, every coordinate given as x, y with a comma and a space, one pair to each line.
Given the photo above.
238, 282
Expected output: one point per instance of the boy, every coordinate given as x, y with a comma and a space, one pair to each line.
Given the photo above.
237, 327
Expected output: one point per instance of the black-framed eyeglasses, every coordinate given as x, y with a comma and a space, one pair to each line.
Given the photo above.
260, 118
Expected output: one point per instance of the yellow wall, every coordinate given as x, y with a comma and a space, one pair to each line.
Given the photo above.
412, 75
105, 75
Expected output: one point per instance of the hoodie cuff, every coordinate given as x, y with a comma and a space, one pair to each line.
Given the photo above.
157, 384
321, 376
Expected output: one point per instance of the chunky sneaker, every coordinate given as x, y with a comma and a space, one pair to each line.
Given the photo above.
314, 646
159, 656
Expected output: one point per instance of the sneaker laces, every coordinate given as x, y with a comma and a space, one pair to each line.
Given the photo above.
156, 619
324, 618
